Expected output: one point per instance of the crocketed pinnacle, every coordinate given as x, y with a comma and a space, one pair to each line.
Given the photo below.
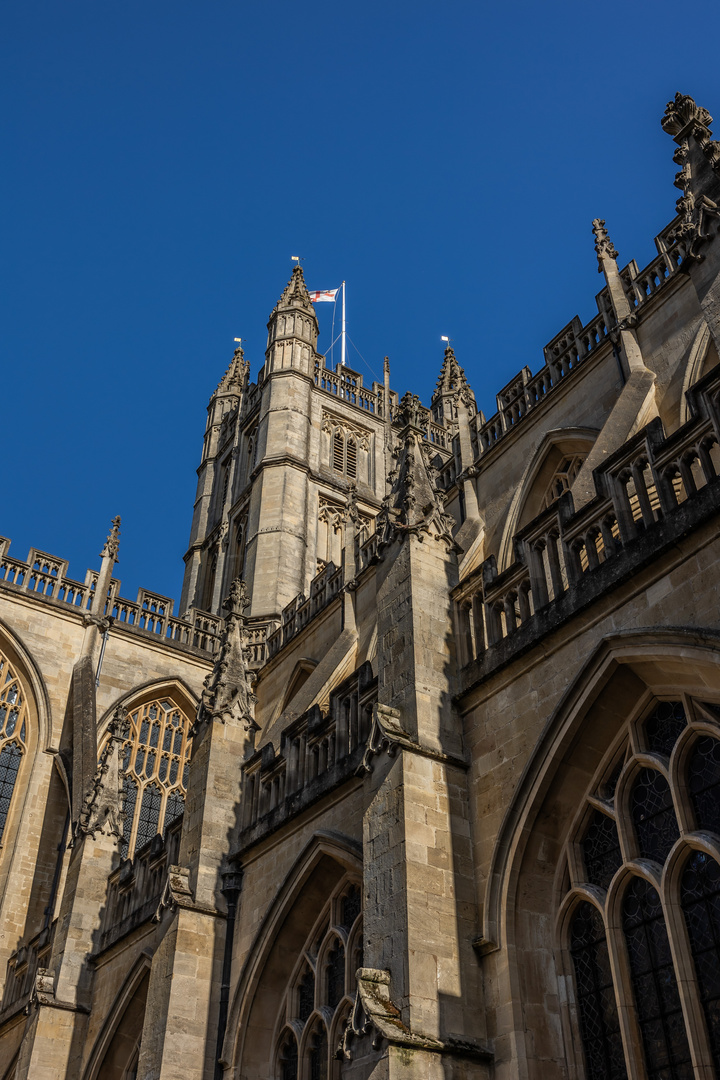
604, 247
234, 379
452, 377
295, 294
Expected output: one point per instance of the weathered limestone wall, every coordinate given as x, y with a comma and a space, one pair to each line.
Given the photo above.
504, 718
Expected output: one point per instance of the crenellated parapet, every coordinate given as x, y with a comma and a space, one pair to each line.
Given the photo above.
648, 494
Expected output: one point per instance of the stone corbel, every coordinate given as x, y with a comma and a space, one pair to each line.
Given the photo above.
177, 892
374, 1013
386, 733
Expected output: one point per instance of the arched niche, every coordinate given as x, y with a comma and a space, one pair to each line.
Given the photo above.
531, 493
117, 1044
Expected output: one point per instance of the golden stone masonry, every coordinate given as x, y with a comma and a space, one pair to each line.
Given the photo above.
423, 780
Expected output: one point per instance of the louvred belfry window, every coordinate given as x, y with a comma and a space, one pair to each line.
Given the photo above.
156, 759
644, 956
13, 734
344, 454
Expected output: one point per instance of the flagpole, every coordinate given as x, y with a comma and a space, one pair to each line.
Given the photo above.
342, 353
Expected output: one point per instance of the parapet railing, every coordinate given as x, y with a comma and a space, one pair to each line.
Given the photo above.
45, 575
23, 966
639, 489
345, 385
575, 343
324, 587
136, 888
315, 750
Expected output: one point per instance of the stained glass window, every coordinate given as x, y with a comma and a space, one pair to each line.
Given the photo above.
321, 975
704, 782
156, 756
657, 1002
700, 899
604, 1058
653, 815
351, 905
601, 850
306, 995
335, 974
664, 725
13, 732
148, 823
318, 1055
289, 1059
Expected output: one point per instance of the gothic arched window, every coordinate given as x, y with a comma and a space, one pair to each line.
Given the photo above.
320, 991
645, 954
13, 734
156, 759
604, 1058
700, 899
657, 1001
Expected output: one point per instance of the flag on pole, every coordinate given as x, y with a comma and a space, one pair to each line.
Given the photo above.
323, 294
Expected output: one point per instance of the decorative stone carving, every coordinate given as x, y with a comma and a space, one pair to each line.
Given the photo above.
111, 545
386, 733
330, 423
177, 891
227, 691
689, 124
604, 246
374, 1013
101, 809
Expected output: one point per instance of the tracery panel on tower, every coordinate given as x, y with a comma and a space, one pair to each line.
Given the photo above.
156, 759
642, 907
320, 991
13, 735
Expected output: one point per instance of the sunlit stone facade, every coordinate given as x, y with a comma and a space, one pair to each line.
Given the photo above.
422, 778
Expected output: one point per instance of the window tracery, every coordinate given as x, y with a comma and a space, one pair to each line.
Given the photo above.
563, 478
320, 991
156, 761
643, 944
13, 735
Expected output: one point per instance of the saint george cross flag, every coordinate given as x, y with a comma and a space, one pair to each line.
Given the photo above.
323, 294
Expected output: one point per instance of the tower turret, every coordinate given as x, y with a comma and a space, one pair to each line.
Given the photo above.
452, 386
206, 552
277, 531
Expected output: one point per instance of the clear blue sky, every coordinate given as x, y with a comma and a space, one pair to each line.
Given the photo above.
164, 159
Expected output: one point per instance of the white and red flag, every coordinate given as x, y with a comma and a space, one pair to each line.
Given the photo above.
323, 294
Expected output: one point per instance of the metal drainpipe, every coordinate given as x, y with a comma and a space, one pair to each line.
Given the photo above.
232, 883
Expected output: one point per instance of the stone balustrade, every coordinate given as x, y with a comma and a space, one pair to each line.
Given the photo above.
46, 576
136, 887
22, 969
324, 587
647, 494
317, 751
575, 343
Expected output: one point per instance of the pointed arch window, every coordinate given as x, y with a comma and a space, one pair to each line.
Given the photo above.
604, 1058
667, 1053
156, 760
648, 951
318, 997
13, 735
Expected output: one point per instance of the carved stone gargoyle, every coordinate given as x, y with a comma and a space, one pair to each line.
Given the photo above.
375, 1014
